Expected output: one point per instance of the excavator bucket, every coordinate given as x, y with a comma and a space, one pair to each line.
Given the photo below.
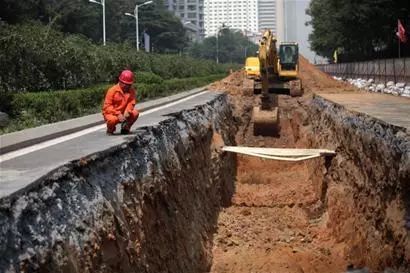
265, 122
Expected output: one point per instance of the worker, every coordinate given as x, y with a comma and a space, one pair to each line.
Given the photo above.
288, 56
119, 104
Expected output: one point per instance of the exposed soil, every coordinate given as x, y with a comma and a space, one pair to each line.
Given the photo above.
278, 220
170, 203
317, 81
272, 225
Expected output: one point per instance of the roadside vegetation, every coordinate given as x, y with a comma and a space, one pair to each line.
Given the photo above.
358, 30
33, 109
35, 57
53, 65
233, 47
47, 76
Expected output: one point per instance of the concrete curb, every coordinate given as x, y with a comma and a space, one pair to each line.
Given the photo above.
21, 139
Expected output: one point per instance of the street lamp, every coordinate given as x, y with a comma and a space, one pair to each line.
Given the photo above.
102, 3
217, 41
135, 15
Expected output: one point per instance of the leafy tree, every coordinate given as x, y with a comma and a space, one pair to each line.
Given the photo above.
233, 47
359, 29
81, 17
166, 31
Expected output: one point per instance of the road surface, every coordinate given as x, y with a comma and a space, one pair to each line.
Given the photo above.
390, 109
21, 168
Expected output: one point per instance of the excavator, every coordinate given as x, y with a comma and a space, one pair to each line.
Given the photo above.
278, 74
272, 73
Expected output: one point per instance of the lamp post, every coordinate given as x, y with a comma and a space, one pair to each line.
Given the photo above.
135, 15
217, 41
102, 3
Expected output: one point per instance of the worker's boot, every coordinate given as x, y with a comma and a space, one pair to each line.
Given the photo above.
125, 129
110, 130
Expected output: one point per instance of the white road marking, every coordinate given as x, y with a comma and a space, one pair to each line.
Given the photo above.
58, 140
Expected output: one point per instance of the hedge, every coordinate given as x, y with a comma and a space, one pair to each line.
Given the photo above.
35, 57
37, 108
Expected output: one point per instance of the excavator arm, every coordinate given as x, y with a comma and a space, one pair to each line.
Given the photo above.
277, 76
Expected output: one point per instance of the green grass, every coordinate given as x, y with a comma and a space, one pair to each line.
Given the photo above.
32, 109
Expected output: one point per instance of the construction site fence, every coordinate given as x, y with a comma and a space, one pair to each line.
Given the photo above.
380, 70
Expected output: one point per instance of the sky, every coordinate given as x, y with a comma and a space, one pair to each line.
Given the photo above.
297, 28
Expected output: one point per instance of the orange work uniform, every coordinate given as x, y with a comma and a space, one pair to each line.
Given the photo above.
117, 102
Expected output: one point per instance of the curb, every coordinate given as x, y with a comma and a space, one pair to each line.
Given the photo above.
28, 137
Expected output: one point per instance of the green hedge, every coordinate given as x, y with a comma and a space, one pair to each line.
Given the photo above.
37, 108
36, 57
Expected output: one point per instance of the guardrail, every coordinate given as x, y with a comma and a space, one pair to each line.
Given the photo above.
380, 70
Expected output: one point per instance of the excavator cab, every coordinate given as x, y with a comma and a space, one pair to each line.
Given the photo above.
288, 56
288, 61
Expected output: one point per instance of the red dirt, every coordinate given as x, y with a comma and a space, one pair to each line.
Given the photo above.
276, 222
317, 81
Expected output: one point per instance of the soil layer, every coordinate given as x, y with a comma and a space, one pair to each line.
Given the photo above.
323, 215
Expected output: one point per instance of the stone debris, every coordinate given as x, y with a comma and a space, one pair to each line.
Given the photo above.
396, 89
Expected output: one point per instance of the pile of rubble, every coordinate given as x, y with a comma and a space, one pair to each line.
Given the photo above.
397, 89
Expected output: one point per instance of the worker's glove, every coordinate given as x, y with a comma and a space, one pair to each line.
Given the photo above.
127, 114
121, 118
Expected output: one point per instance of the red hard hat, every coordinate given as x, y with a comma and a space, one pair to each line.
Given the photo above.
126, 77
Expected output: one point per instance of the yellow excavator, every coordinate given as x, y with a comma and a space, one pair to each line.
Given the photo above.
278, 74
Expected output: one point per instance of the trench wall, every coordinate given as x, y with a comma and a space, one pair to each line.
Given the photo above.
366, 187
149, 205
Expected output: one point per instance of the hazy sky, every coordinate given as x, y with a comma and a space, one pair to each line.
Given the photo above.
302, 31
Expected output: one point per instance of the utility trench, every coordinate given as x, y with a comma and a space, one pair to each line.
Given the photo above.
169, 200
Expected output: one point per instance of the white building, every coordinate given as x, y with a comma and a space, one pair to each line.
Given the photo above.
237, 14
267, 15
191, 13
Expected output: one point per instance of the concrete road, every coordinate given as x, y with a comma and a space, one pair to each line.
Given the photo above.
390, 109
23, 167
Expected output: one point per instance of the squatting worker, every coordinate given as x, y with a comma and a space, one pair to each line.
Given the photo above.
119, 104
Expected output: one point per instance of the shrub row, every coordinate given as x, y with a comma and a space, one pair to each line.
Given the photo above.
37, 108
36, 57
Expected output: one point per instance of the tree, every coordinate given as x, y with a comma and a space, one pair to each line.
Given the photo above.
233, 47
166, 31
359, 29
82, 17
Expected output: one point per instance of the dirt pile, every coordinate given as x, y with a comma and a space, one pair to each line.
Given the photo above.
320, 215
314, 80
233, 84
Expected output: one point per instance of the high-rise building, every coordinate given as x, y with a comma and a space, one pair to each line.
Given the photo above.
236, 14
267, 15
290, 24
291, 20
171, 5
191, 13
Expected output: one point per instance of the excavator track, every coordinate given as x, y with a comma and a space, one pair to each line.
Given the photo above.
295, 88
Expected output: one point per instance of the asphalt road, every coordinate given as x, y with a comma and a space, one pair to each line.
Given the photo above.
20, 168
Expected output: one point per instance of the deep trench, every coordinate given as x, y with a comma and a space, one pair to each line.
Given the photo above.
177, 203
337, 214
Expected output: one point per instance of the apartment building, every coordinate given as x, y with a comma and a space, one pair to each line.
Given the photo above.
267, 15
191, 13
237, 14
